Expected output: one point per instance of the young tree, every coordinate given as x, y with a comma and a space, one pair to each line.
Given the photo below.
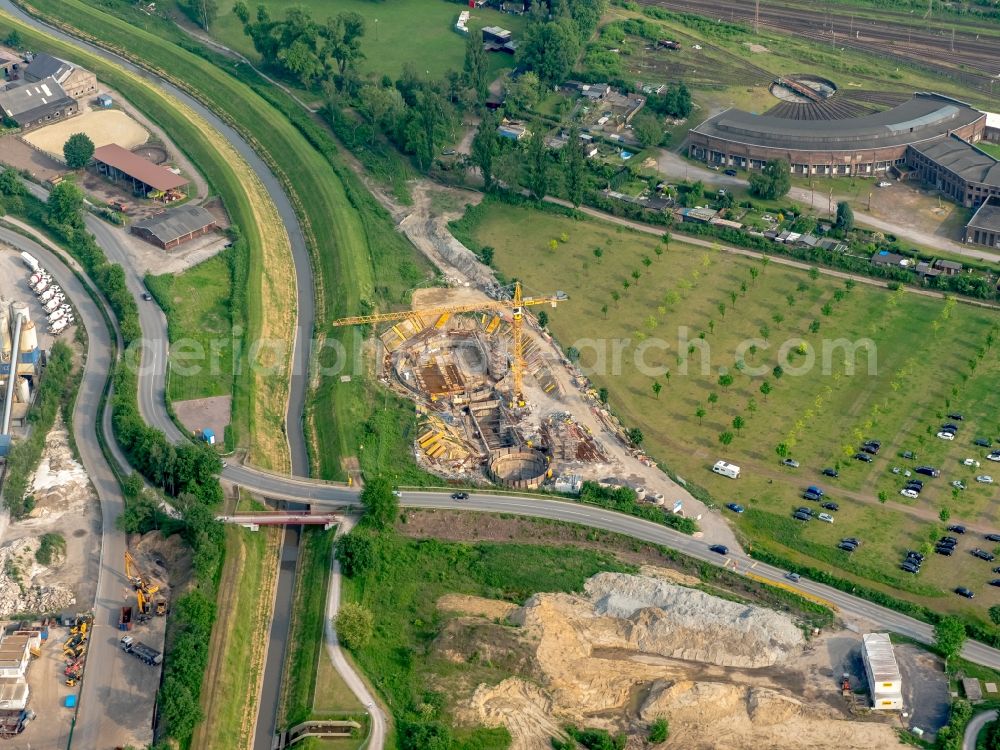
659, 730
536, 175
354, 625
543, 318
725, 380
476, 66
725, 437
78, 150
949, 637
381, 504
845, 217
657, 387
574, 170
14, 40
944, 515
647, 130
765, 389
713, 397
602, 395
65, 203
994, 613
10, 183
635, 436
700, 413
739, 423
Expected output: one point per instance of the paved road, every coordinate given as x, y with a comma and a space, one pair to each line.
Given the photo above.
674, 165
112, 711
975, 726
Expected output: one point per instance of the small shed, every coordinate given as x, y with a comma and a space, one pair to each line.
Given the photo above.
175, 226
948, 267
972, 689
105, 100
208, 435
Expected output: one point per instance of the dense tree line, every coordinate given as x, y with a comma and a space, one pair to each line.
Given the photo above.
555, 34
674, 101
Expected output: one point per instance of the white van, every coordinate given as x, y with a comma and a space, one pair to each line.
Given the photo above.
30, 261
727, 469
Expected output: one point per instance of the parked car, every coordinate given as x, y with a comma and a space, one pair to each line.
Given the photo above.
791, 463
847, 547
958, 484
992, 537
948, 540
735, 507
863, 457
974, 462
730, 172
983, 555
825, 517
957, 528
994, 456
907, 492
995, 582
397, 493
983, 443
800, 516
872, 448
720, 549
831, 473
946, 435
984, 479
915, 484
962, 591
914, 555
946, 551
830, 506
852, 540
927, 471
956, 416
949, 427
807, 511
810, 495
908, 455
910, 567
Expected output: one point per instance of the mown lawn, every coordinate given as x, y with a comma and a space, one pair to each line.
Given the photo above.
419, 32
197, 307
993, 149
695, 313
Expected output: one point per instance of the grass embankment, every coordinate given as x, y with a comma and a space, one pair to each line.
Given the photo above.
245, 600
196, 303
411, 31
261, 396
349, 234
305, 634
696, 313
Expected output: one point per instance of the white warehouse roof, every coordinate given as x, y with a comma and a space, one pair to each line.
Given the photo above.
993, 120
881, 659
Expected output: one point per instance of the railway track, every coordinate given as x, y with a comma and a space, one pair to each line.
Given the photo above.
964, 56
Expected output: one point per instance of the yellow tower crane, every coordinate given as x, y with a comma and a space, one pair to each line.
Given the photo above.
516, 305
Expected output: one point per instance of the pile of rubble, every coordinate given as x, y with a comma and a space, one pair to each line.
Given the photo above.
23, 585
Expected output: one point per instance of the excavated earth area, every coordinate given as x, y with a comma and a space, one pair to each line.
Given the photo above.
65, 504
631, 648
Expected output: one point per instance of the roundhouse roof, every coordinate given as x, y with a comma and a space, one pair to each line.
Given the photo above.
925, 116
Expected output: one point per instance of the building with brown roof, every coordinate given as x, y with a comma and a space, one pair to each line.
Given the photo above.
144, 177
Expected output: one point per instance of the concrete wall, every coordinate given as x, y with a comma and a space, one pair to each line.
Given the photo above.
518, 468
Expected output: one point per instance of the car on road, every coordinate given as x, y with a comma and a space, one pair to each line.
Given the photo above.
735, 507
983, 554
973, 462
825, 517
793, 577
983, 443
830, 506
957, 528
992, 537
720, 549
962, 591
830, 473
958, 484
946, 435
397, 493
984, 479
147, 296
863, 457
994, 456
730, 173
790, 463
459, 495
928, 471
912, 494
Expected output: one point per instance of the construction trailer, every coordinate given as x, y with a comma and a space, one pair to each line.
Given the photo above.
884, 681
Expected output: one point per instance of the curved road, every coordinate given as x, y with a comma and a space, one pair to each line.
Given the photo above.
975, 727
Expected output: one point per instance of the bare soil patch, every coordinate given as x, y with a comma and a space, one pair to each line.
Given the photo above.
19, 155
198, 414
476, 605
102, 126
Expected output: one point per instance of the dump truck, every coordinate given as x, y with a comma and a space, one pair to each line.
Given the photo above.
125, 619
140, 650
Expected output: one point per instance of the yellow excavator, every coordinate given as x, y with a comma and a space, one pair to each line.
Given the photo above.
144, 588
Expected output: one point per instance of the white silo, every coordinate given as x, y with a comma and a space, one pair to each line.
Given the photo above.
23, 390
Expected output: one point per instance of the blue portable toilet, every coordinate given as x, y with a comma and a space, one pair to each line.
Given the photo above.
208, 436
70, 701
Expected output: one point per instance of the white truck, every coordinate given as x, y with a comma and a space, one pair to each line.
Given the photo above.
726, 469
59, 326
140, 650
30, 261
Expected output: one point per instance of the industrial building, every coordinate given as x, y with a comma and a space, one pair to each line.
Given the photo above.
884, 681
32, 105
984, 227
18, 372
75, 81
147, 180
175, 226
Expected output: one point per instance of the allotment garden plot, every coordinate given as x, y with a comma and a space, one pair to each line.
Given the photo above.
856, 363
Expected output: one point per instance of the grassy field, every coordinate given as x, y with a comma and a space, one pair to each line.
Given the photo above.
419, 32
245, 199
349, 235
401, 659
305, 635
993, 149
197, 307
244, 601
922, 355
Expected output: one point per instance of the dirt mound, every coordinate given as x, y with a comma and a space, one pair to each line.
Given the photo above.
688, 624
166, 560
476, 605
25, 585
523, 708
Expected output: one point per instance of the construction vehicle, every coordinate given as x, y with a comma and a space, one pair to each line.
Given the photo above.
71, 682
516, 305
144, 588
161, 607
125, 619
140, 650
